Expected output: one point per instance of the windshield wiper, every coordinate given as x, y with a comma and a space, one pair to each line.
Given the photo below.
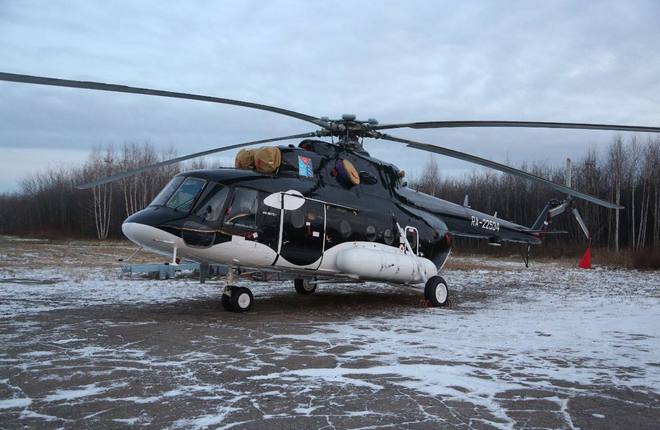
190, 200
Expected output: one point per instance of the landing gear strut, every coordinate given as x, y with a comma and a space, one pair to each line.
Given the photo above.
236, 299
436, 291
304, 286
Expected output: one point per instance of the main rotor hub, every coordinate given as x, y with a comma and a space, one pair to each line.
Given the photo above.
349, 130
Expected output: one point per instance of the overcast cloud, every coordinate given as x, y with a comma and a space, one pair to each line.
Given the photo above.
394, 61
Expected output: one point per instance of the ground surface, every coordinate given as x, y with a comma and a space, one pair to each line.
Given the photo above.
544, 347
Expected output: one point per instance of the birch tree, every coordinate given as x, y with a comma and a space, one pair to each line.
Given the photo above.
101, 165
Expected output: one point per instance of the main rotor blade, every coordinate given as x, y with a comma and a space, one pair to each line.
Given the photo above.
501, 167
40, 80
523, 124
128, 173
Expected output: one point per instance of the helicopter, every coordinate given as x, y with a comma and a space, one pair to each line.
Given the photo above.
322, 212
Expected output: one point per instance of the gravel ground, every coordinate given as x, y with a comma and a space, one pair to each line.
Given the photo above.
546, 347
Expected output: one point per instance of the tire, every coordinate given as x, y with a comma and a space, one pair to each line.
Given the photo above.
241, 299
436, 291
226, 300
304, 287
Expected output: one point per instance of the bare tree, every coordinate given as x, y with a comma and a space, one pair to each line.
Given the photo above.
429, 182
137, 190
101, 164
616, 160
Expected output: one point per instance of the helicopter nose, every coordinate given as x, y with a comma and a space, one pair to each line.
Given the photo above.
136, 232
150, 238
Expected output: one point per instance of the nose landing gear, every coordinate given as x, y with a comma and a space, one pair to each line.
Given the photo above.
234, 298
237, 299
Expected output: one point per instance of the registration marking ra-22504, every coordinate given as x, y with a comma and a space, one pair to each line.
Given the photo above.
484, 223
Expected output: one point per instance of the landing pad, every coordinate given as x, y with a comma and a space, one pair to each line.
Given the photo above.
546, 347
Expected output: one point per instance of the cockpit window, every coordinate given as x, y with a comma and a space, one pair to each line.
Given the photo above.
211, 209
167, 192
184, 197
242, 211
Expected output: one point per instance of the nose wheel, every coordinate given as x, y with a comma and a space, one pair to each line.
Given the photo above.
234, 298
436, 291
237, 299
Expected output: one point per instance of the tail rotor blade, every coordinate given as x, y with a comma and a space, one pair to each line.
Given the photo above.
581, 222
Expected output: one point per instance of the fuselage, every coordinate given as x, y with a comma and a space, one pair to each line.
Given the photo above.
310, 221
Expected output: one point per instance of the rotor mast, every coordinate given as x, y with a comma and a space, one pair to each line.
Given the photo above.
349, 130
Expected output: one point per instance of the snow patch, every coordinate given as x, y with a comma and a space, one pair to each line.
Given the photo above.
15, 403
82, 391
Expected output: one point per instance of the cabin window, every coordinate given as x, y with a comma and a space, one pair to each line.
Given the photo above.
345, 229
184, 197
367, 178
388, 236
211, 210
371, 233
242, 211
297, 218
167, 192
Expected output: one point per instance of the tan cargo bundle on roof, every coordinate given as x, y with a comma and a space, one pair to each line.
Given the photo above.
244, 159
347, 174
267, 159
352, 172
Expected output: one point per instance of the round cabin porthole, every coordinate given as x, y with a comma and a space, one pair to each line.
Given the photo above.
297, 219
345, 229
371, 233
388, 236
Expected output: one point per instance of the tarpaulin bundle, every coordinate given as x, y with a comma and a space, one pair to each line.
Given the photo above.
266, 159
346, 173
244, 159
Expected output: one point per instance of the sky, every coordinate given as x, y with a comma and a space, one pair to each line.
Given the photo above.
395, 61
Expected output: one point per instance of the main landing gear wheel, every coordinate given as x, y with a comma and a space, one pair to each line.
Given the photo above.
304, 286
436, 291
225, 300
237, 299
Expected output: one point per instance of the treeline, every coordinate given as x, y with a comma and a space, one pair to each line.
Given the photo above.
626, 172
49, 204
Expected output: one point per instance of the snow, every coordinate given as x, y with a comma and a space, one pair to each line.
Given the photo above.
82, 391
588, 328
93, 287
128, 421
550, 327
14, 403
204, 421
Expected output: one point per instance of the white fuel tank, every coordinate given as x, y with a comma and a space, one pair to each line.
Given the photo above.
384, 265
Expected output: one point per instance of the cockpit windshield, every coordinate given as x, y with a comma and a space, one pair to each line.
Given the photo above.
184, 197
167, 192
